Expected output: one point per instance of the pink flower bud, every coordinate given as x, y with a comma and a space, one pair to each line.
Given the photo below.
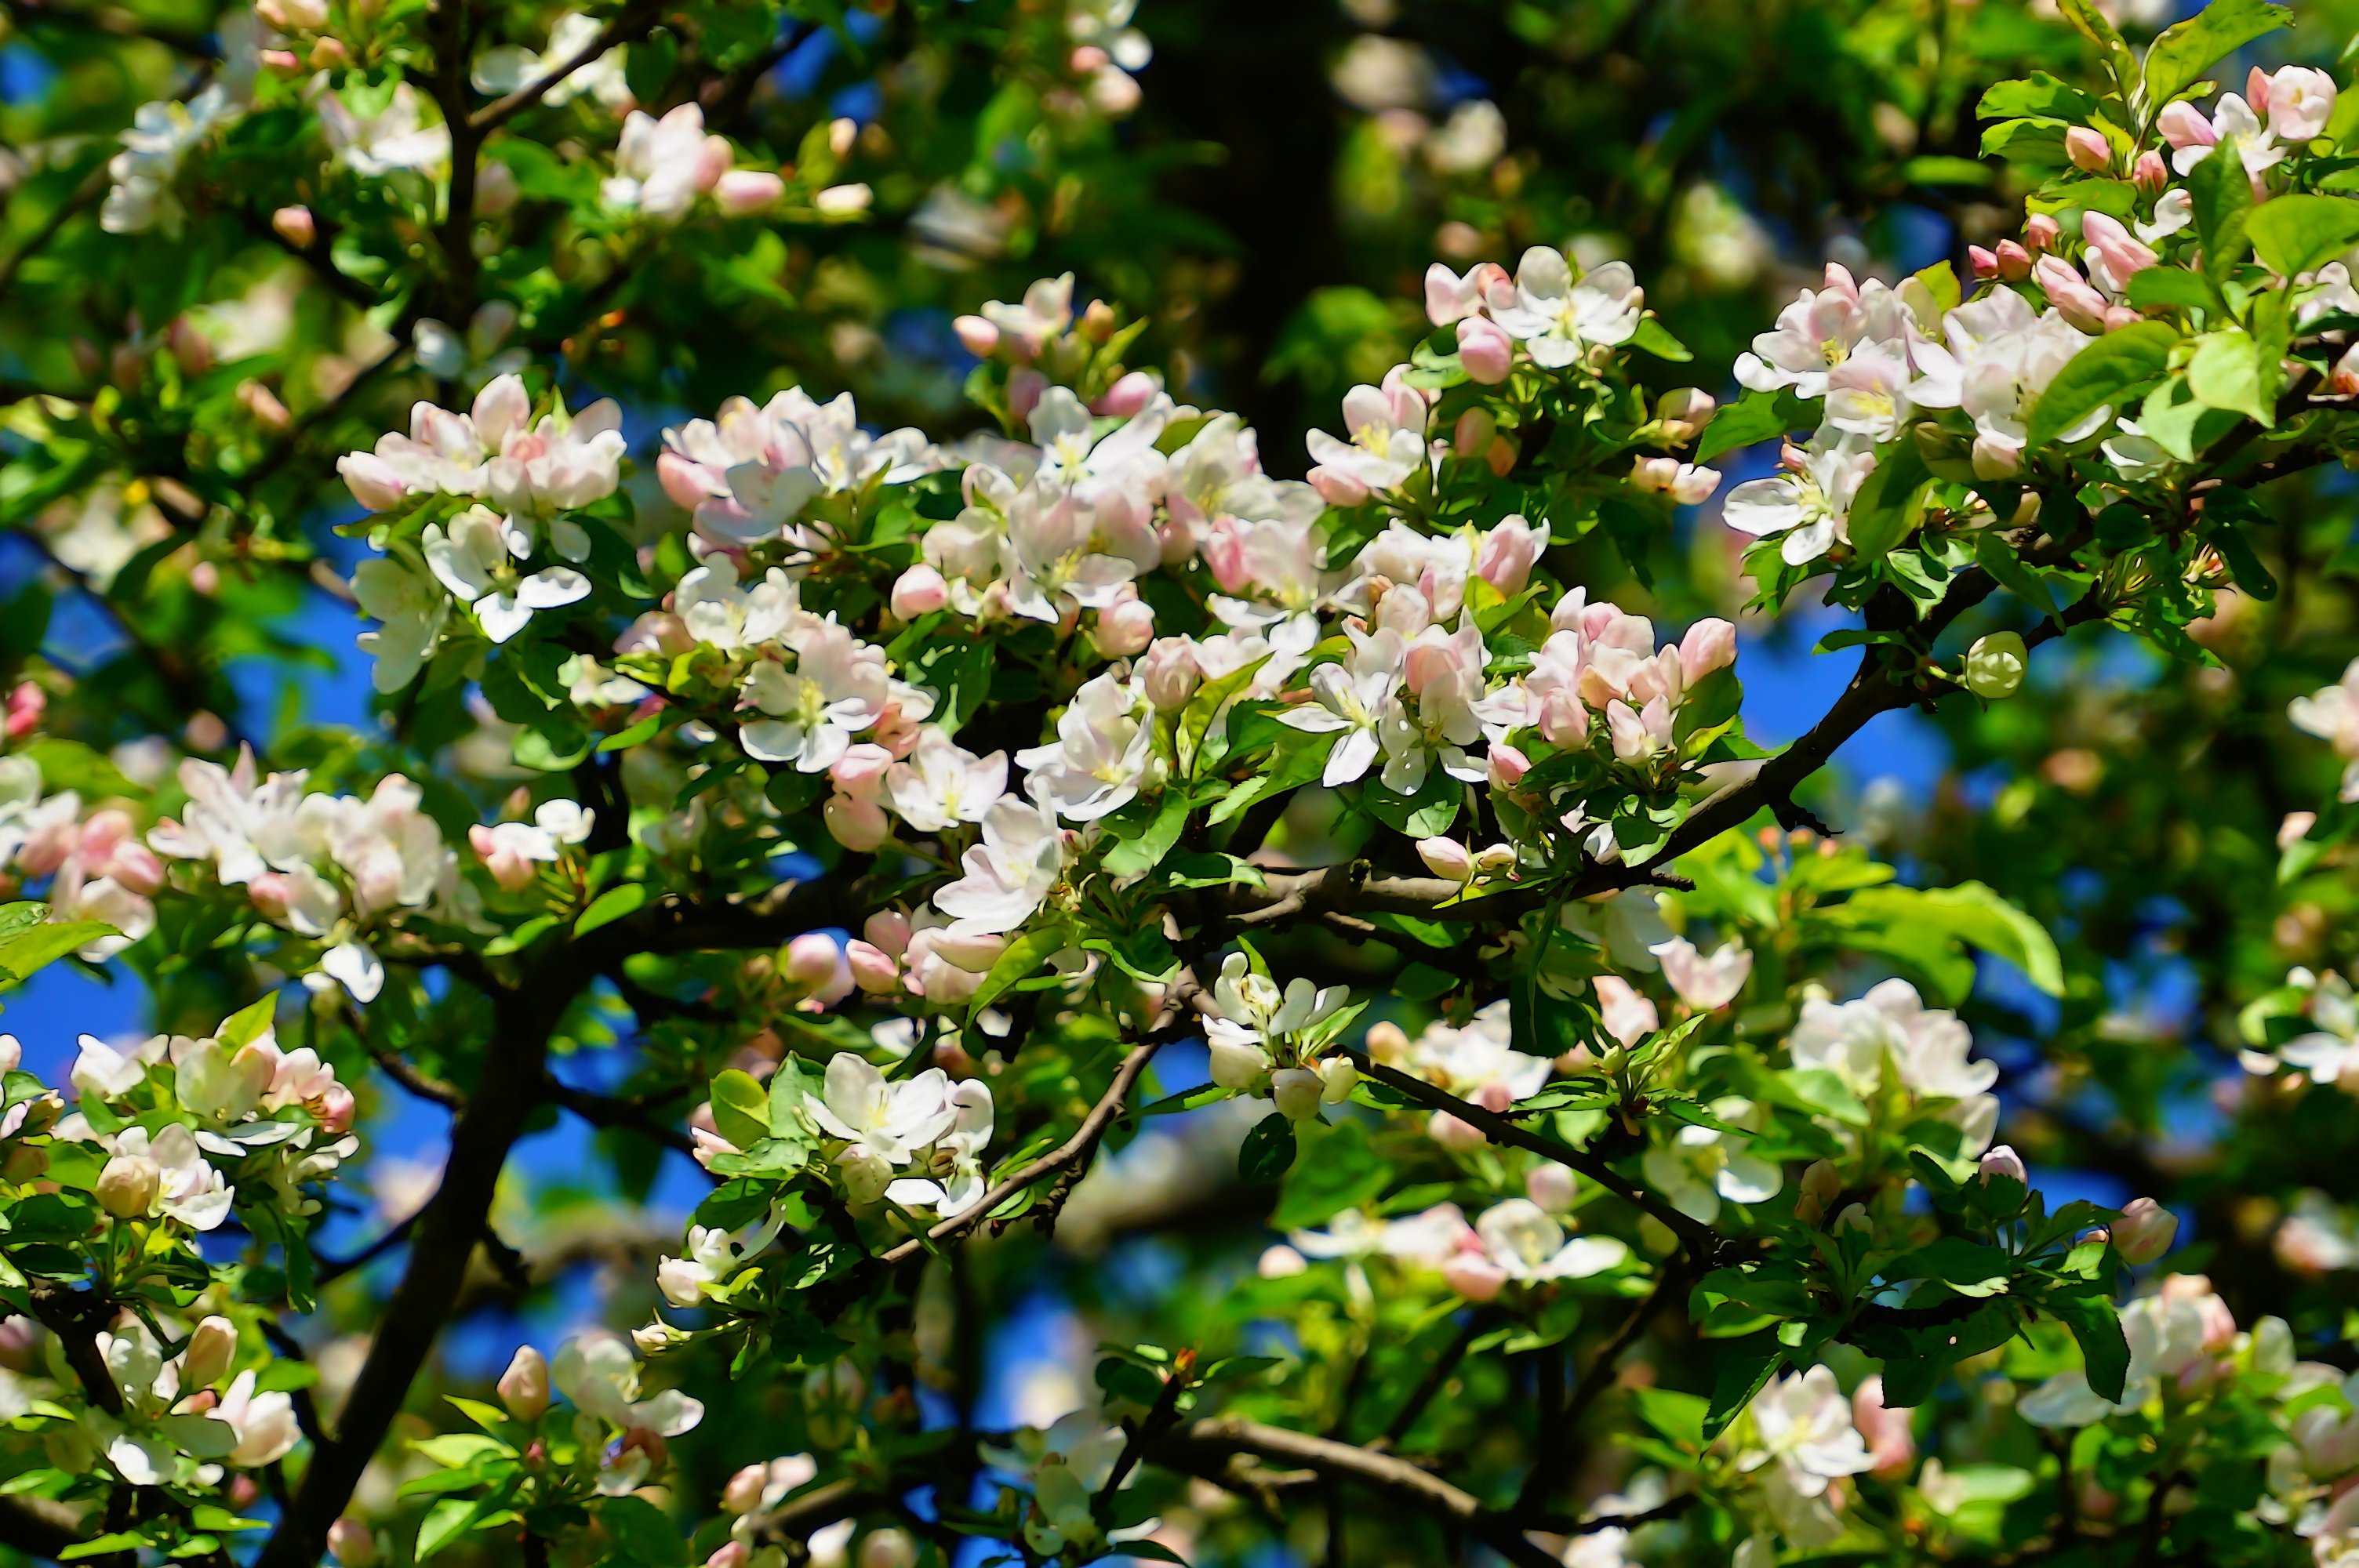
1453, 1134
860, 771
1472, 435
922, 590
2088, 149
744, 190
1653, 474
712, 160
1171, 673
1126, 627
1475, 1276
1891, 1445
1550, 1185
2151, 174
496, 190
1486, 351
1447, 858
2041, 232
1337, 488
1126, 397
731, 1554
2071, 294
335, 1110
212, 1346
353, 1542
1281, 1262
860, 825
1710, 644
873, 969
1985, 262
2014, 262
372, 481
2145, 1231
2182, 125
980, 337
1507, 766
817, 964
25, 705
128, 1185
1024, 390
889, 929
2000, 1160
523, 1387
295, 226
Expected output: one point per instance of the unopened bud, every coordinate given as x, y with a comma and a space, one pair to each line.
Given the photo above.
128, 1185
523, 1387
2001, 1161
2145, 1231
1995, 666
2088, 149
212, 1344
295, 226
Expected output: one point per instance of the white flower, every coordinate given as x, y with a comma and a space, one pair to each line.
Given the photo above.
1103, 755
661, 164
243, 827
501, 71
410, 607
103, 1073
190, 1190
1527, 1244
1819, 330
1009, 873
943, 784
2169, 1333
837, 688
162, 135
599, 1373
1703, 1165
957, 1159
1256, 1026
472, 558
1387, 426
2331, 714
1809, 505
1704, 983
1064, 548
1995, 360
1351, 702
883, 1123
1557, 318
1925, 1049
395, 138
721, 614
1045, 311
1804, 1425
263, 1424
713, 1259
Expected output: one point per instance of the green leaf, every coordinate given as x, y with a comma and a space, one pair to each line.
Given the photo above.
2179, 59
2223, 201
1744, 1369
1136, 856
446, 1522
1023, 956
2104, 374
1196, 718
610, 906
1656, 340
644, 1530
2171, 288
21, 955
2301, 233
741, 1108
1891, 500
2227, 374
2039, 96
1339, 1172
1754, 418
248, 1023
2097, 1329
1267, 1150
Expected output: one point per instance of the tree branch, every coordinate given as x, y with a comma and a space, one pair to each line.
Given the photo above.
632, 22
1397, 1479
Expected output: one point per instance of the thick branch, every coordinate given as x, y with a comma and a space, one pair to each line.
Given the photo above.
38, 1527
448, 1229
1226, 1437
